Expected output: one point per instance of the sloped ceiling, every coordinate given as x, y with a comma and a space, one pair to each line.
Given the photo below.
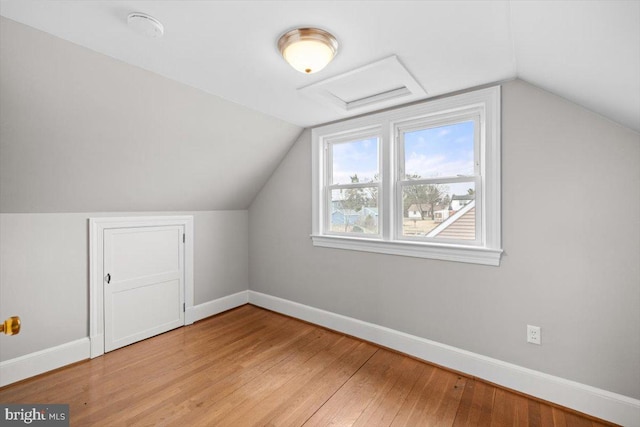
587, 51
82, 132
198, 119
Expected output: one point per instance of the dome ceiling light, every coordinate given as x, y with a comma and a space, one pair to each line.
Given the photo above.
308, 50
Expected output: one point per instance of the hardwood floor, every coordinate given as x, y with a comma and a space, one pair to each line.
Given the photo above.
252, 367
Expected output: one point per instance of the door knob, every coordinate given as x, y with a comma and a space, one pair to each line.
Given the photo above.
11, 326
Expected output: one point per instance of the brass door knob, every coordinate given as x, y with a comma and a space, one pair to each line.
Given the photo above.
11, 326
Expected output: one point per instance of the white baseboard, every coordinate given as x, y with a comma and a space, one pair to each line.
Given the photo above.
570, 394
580, 397
37, 363
210, 308
42, 361
97, 345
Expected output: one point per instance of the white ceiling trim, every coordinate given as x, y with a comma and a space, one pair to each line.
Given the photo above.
381, 84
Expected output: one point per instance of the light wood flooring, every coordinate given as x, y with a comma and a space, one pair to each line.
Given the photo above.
252, 367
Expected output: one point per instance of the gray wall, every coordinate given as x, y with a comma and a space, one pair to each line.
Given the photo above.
82, 135
83, 132
571, 235
44, 275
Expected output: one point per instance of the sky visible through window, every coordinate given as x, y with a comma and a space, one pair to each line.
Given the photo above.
355, 158
445, 151
440, 152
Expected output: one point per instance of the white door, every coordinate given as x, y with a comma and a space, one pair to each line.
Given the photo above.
143, 283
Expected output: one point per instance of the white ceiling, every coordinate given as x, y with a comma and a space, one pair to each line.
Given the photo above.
585, 51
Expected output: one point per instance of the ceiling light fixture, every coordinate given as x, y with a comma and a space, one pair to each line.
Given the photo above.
308, 50
145, 24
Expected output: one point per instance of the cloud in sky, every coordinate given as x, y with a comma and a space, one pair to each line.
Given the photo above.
445, 151
442, 151
444, 132
438, 166
356, 157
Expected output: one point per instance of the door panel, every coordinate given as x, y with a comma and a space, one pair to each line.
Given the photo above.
144, 296
141, 252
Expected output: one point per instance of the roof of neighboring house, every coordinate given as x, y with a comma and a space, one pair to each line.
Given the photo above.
460, 226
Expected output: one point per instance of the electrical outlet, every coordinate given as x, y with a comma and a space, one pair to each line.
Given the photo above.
533, 335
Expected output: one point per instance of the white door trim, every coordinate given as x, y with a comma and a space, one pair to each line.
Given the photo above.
96, 273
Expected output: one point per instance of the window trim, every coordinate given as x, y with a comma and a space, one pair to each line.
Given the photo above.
488, 251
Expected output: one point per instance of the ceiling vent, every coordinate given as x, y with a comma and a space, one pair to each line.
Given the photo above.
382, 84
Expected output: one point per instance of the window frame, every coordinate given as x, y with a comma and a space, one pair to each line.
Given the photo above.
360, 134
436, 121
485, 103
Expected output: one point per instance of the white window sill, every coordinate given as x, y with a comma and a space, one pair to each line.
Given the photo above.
457, 253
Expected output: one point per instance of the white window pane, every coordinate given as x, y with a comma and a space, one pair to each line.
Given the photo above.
439, 152
354, 210
355, 161
439, 211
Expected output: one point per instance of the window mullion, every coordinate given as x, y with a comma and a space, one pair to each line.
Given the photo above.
352, 185
445, 180
387, 147
398, 175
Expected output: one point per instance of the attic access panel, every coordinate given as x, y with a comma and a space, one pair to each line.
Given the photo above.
384, 83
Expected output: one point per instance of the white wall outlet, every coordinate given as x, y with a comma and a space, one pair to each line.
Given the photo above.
533, 335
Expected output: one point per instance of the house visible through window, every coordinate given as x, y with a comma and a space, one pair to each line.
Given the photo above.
354, 186
438, 178
419, 181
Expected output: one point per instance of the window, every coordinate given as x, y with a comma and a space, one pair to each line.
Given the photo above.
438, 170
420, 181
353, 185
